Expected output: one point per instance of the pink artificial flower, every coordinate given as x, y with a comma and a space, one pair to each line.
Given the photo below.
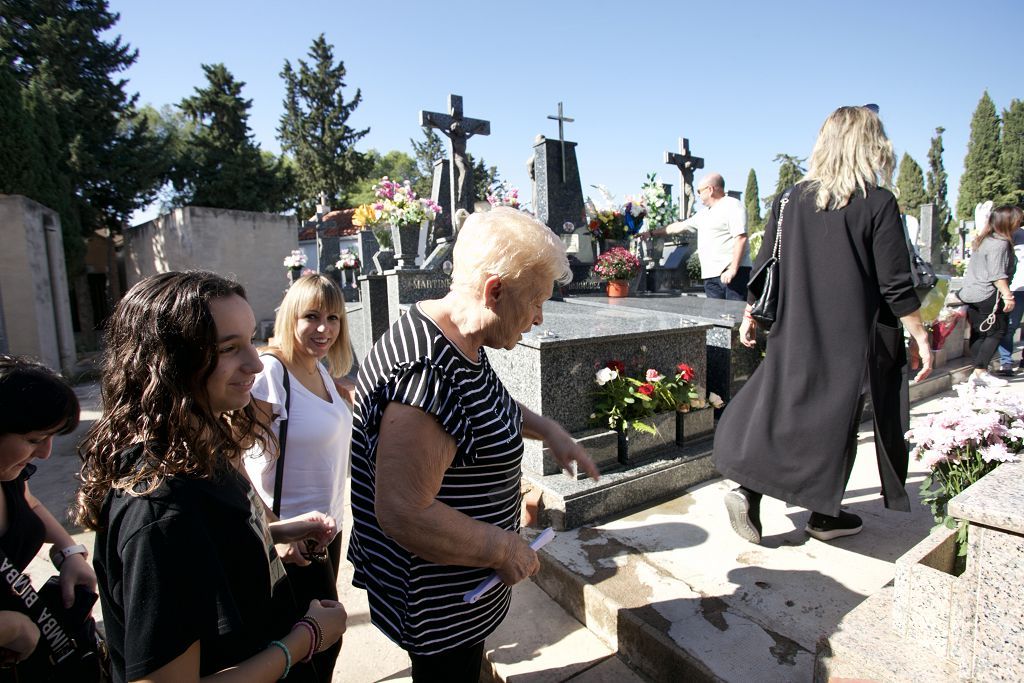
654, 376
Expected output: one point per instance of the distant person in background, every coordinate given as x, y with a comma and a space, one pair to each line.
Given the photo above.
310, 326
845, 287
35, 406
721, 240
986, 290
1013, 321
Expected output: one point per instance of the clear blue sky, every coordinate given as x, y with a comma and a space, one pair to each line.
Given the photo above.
742, 80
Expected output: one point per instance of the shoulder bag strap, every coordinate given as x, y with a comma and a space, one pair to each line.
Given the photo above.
282, 437
777, 249
56, 639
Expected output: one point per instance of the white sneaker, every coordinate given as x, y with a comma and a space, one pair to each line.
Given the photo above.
987, 380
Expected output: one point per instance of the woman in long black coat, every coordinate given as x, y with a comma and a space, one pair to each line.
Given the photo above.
845, 285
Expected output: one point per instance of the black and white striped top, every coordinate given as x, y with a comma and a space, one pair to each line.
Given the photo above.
416, 603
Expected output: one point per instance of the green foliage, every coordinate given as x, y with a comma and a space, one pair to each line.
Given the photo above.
752, 199
693, 267
395, 165
791, 170
1011, 152
983, 178
623, 402
936, 188
220, 166
484, 178
92, 159
910, 184
314, 129
427, 152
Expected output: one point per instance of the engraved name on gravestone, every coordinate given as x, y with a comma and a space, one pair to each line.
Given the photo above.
557, 191
458, 129
687, 164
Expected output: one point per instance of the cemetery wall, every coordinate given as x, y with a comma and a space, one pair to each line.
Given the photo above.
36, 306
243, 245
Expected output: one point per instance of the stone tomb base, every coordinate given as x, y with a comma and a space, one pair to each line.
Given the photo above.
551, 371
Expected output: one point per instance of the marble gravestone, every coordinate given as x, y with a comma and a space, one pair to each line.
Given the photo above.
557, 201
551, 372
441, 193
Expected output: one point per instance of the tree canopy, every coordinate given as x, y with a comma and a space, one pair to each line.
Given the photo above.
982, 178
1011, 152
936, 188
752, 200
94, 160
314, 128
219, 164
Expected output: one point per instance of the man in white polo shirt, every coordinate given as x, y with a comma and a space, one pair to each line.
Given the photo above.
721, 240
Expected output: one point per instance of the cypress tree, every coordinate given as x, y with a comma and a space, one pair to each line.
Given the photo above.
1011, 152
983, 177
910, 184
314, 128
751, 199
221, 166
937, 189
791, 170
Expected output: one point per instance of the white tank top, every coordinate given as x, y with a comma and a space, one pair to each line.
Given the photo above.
317, 450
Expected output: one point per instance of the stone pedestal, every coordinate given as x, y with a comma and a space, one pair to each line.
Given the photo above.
406, 287
931, 622
373, 295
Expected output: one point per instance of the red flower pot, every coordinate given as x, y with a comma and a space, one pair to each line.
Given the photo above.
618, 288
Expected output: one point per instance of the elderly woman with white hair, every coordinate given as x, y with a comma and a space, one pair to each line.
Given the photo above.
437, 449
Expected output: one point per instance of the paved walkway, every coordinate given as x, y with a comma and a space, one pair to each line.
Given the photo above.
743, 612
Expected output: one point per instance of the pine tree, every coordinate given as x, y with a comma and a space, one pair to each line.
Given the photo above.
752, 200
983, 178
427, 153
107, 161
314, 128
220, 165
791, 170
936, 188
910, 184
1011, 152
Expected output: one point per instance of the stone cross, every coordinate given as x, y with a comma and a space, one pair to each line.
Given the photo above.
687, 164
458, 129
561, 133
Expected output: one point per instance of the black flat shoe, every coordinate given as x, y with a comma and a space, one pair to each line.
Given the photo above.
744, 514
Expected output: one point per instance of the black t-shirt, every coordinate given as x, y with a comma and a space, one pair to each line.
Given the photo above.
191, 561
24, 536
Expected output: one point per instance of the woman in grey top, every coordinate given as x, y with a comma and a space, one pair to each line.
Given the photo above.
986, 289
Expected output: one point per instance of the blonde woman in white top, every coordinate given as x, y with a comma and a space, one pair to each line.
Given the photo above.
310, 327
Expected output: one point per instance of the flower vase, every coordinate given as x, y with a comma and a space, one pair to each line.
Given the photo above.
294, 274
618, 288
406, 238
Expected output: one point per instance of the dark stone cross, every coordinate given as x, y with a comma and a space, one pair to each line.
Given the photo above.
561, 133
687, 164
458, 129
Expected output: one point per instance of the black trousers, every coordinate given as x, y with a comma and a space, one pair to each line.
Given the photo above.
319, 581
461, 665
984, 343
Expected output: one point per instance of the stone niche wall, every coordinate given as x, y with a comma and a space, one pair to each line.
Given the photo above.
246, 246
35, 304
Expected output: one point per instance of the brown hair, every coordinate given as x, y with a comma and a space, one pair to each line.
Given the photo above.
161, 350
1001, 223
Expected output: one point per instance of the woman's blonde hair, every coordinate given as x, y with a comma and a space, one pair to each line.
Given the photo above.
852, 153
309, 292
511, 244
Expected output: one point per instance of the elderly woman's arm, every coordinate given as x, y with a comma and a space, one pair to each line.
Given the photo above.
413, 454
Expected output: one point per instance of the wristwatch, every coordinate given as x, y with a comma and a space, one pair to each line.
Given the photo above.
58, 556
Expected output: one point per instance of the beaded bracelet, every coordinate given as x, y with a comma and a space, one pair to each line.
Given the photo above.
317, 629
312, 639
287, 657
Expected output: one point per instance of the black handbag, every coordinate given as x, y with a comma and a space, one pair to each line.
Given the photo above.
765, 282
921, 272
69, 647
